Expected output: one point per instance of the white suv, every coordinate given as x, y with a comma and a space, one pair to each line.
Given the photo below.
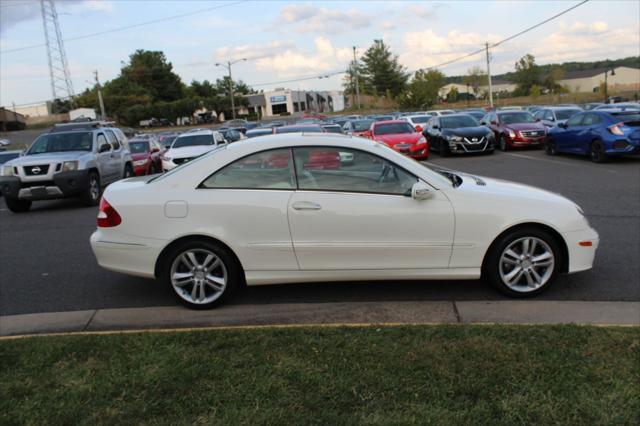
190, 145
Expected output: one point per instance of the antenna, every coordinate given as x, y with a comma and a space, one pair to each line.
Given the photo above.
61, 86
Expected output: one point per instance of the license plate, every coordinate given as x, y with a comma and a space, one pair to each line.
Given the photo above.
38, 191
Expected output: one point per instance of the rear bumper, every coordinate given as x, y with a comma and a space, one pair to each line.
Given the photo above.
64, 184
137, 259
581, 255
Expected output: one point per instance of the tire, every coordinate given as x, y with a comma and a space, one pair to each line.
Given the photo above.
187, 288
17, 206
499, 264
502, 144
91, 195
128, 171
444, 149
596, 152
550, 147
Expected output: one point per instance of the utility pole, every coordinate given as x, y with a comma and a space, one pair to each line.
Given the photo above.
489, 75
228, 67
103, 114
355, 72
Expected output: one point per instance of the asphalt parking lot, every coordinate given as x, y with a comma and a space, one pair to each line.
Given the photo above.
46, 263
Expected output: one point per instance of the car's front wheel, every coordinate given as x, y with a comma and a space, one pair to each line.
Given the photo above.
17, 206
524, 262
502, 143
201, 274
91, 195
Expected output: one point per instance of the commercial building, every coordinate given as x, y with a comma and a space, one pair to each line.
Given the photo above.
11, 120
290, 102
618, 78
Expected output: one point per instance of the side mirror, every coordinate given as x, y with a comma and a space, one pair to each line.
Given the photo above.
563, 125
537, 120
483, 123
104, 148
421, 191
494, 122
368, 134
155, 149
553, 119
419, 128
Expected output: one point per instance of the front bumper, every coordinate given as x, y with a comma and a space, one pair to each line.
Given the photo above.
520, 142
414, 151
581, 255
64, 184
141, 170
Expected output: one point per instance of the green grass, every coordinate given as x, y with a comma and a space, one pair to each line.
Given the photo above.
388, 375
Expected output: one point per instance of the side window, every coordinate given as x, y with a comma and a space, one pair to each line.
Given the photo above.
112, 140
103, 145
548, 115
264, 170
591, 119
575, 120
349, 170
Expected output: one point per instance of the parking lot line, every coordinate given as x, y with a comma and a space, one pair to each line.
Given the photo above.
546, 160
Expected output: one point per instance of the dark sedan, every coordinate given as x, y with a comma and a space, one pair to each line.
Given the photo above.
459, 134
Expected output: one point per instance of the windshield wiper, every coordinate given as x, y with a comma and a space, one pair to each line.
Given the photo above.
454, 178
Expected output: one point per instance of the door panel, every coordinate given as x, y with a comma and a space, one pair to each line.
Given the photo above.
339, 230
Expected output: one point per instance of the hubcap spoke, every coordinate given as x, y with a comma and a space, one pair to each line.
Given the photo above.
536, 276
526, 264
517, 271
195, 281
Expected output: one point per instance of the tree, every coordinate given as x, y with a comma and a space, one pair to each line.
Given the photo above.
203, 90
423, 89
150, 71
452, 96
349, 80
381, 70
475, 78
550, 82
527, 74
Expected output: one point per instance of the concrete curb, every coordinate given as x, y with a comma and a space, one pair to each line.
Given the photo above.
467, 312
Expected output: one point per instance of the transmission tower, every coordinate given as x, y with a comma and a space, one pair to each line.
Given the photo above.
61, 86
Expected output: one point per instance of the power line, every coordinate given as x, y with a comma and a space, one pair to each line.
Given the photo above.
315, 77
475, 52
128, 27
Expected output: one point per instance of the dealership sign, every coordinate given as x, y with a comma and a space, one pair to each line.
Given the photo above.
278, 99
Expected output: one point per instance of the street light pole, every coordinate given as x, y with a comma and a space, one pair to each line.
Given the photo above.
606, 83
228, 67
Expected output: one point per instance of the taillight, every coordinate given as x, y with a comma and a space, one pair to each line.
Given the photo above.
108, 217
615, 129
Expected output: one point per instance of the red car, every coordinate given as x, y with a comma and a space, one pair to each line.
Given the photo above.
299, 128
145, 154
400, 136
318, 159
515, 129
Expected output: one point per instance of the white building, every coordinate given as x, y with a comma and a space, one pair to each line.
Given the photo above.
36, 110
622, 78
82, 113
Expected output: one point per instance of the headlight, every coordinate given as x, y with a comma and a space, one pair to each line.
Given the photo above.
489, 135
454, 138
140, 162
166, 158
512, 134
7, 170
422, 140
69, 166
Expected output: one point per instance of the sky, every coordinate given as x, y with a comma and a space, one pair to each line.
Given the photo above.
290, 40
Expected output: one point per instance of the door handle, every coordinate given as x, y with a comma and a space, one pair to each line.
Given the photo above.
306, 205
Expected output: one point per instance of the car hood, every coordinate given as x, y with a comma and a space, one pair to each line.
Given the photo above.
525, 126
509, 189
139, 156
392, 140
51, 157
189, 151
478, 131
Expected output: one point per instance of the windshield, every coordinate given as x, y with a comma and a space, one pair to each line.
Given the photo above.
361, 125
457, 121
421, 118
195, 140
393, 128
61, 142
138, 147
299, 129
564, 114
516, 117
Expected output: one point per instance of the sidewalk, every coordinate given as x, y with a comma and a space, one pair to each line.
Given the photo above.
465, 312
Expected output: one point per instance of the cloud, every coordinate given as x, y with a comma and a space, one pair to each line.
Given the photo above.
13, 13
253, 51
308, 18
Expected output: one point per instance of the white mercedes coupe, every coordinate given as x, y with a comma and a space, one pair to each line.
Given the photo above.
286, 209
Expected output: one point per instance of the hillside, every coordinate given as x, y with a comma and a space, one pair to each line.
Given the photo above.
631, 61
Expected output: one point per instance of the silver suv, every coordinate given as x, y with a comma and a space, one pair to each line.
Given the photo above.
75, 159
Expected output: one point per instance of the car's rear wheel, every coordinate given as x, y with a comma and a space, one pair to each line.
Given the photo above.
91, 195
550, 147
17, 206
524, 262
201, 274
596, 152
128, 171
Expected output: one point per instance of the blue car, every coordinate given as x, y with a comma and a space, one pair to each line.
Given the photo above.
599, 134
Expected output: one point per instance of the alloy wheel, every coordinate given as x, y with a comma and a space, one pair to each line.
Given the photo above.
198, 276
526, 264
94, 188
